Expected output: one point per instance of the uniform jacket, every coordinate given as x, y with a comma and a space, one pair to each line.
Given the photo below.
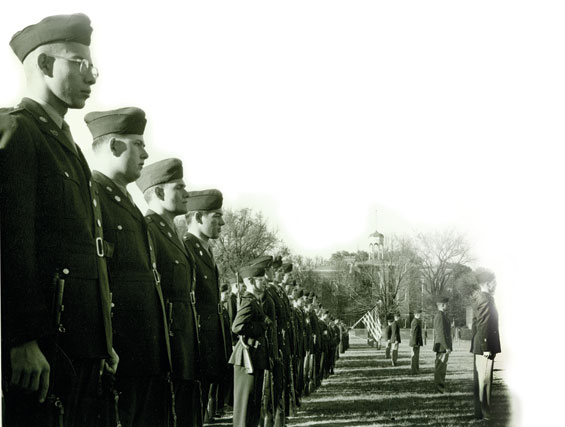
395, 332
442, 333
178, 279
388, 332
268, 306
50, 220
232, 311
485, 325
281, 320
250, 325
416, 333
213, 349
141, 337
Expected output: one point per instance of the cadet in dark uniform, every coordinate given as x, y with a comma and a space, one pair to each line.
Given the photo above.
395, 338
442, 344
388, 335
416, 341
204, 224
485, 342
250, 356
141, 335
164, 191
52, 245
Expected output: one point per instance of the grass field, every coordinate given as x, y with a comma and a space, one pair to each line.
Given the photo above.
367, 391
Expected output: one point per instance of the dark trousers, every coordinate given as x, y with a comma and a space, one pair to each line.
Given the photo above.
144, 401
187, 403
440, 370
85, 397
248, 389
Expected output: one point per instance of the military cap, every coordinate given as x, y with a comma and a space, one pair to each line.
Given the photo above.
298, 293
277, 262
286, 267
483, 275
444, 300
264, 261
205, 200
224, 287
56, 28
159, 172
252, 271
123, 121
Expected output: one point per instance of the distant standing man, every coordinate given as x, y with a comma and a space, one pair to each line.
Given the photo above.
51, 244
141, 335
442, 343
485, 341
395, 338
164, 190
388, 335
205, 221
416, 341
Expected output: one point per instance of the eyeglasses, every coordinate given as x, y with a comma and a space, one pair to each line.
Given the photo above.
85, 65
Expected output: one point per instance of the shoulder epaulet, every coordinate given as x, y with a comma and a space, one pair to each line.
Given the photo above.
11, 110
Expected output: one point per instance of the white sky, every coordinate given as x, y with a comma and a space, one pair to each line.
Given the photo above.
436, 114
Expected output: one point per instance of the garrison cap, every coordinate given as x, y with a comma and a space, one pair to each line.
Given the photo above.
159, 172
252, 271
56, 28
483, 275
205, 200
123, 121
264, 261
277, 262
286, 267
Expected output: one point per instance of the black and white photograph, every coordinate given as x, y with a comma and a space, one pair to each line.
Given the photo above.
298, 213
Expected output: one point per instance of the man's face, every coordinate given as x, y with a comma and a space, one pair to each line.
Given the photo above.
489, 287
67, 83
396, 318
131, 155
212, 223
175, 197
417, 315
441, 306
259, 284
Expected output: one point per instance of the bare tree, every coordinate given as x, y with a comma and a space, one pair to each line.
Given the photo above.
439, 254
246, 235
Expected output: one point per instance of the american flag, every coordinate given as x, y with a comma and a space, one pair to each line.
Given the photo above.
373, 324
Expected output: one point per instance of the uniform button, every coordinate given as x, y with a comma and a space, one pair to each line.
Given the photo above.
43, 119
66, 271
54, 132
197, 245
118, 198
176, 261
67, 174
90, 183
94, 202
120, 227
150, 247
201, 253
99, 223
169, 234
154, 265
205, 276
113, 305
162, 224
109, 189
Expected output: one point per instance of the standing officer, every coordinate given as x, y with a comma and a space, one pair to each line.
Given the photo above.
416, 341
141, 335
52, 246
395, 338
165, 192
485, 342
388, 335
442, 343
250, 356
205, 221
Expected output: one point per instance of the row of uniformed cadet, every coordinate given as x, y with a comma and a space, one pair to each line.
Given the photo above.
108, 317
90, 286
286, 344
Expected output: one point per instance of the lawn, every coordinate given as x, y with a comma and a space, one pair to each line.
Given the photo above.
367, 391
